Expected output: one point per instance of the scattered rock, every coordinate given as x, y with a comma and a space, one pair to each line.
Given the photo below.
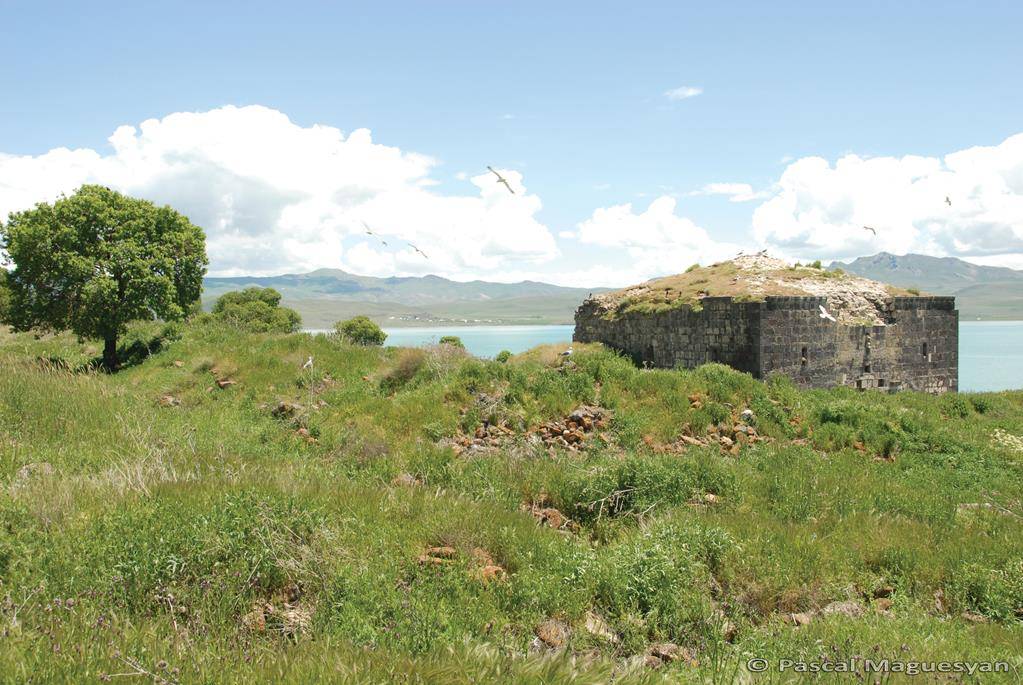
883, 591
178, 363
882, 605
747, 416
304, 434
973, 617
285, 410
224, 383
850, 608
801, 619
169, 401
406, 480
549, 516
255, 620
553, 633
595, 625
666, 652
437, 555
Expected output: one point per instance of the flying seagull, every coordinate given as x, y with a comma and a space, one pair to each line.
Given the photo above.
308, 363
825, 314
868, 228
418, 250
502, 179
948, 201
369, 232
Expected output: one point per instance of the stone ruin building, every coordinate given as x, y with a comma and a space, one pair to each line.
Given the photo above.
763, 316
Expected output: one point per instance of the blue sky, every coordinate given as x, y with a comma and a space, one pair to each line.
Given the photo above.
570, 95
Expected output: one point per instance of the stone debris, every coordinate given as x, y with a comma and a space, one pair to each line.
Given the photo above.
289, 619
304, 434
224, 383
406, 480
169, 401
598, 627
286, 410
178, 363
553, 633
667, 652
569, 433
486, 569
549, 516
438, 555
849, 608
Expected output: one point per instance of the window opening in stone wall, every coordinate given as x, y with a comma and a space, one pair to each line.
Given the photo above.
880, 382
866, 368
923, 349
802, 357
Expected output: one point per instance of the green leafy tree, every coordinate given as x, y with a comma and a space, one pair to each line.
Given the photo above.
97, 260
5, 297
258, 310
452, 340
360, 330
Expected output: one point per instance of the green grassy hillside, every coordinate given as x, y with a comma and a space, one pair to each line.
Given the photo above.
216, 514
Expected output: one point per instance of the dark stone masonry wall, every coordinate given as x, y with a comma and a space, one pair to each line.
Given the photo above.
917, 348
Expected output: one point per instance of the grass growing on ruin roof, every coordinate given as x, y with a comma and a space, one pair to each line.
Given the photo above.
723, 279
166, 525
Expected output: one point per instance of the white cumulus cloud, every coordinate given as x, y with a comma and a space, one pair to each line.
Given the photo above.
736, 192
275, 196
682, 93
820, 209
656, 241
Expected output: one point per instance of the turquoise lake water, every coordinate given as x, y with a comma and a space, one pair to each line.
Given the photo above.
990, 352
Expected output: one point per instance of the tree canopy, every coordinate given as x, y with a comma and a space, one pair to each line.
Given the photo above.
92, 262
360, 330
258, 310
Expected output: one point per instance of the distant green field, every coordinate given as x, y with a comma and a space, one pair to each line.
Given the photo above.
216, 513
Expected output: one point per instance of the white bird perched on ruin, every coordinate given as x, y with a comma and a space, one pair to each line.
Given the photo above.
869, 228
568, 352
825, 314
308, 363
502, 179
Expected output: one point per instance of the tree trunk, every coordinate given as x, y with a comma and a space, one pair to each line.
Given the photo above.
110, 354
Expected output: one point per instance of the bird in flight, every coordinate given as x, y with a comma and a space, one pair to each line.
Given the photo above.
502, 179
369, 232
948, 201
418, 250
868, 228
825, 314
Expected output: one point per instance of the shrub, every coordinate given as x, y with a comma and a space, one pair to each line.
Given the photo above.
360, 330
410, 361
913, 291
816, 264
693, 267
453, 340
503, 356
257, 310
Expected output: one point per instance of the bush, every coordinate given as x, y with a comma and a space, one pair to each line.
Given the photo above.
257, 310
360, 330
452, 340
503, 356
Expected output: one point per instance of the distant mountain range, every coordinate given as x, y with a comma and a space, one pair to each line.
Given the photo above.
328, 295
981, 292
